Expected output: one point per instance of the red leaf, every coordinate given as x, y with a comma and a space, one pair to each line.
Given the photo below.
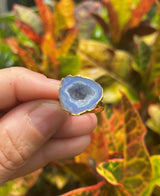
29, 32
46, 16
137, 14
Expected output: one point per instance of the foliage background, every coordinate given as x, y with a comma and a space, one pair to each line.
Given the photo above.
117, 44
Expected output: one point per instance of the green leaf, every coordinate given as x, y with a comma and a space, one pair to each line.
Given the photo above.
111, 171
69, 65
6, 188
155, 161
8, 59
142, 57
154, 122
7, 18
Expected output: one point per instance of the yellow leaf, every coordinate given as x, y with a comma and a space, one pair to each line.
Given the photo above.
67, 9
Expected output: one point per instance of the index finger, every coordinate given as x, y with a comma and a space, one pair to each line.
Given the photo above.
18, 84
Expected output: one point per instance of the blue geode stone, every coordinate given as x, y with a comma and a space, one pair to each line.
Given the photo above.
78, 94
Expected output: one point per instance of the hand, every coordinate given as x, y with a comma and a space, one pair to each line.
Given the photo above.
34, 130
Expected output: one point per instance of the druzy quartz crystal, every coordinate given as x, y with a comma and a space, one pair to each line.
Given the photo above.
79, 95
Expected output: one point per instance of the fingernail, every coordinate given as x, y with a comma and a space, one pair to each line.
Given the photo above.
48, 118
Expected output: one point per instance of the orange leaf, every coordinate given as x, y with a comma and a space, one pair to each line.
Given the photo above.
97, 150
67, 42
46, 16
26, 55
114, 133
113, 21
48, 48
137, 14
13, 44
29, 32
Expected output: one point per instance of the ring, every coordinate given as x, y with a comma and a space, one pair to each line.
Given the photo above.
79, 95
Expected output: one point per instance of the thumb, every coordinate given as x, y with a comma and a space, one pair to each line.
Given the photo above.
26, 128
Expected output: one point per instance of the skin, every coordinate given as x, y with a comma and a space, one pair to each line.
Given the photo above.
34, 129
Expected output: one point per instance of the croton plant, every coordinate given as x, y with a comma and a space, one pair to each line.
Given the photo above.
117, 44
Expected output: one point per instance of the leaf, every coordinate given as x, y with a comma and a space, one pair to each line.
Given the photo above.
7, 57
20, 186
69, 65
29, 32
67, 42
49, 49
93, 73
155, 161
46, 16
121, 7
134, 172
97, 150
81, 172
99, 52
66, 7
29, 17
111, 171
156, 191
154, 123
142, 29
113, 21
137, 14
153, 69
112, 93
100, 189
102, 22
137, 172
26, 55
114, 132
59, 20
142, 57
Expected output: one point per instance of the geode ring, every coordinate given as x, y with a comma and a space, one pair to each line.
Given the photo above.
78, 95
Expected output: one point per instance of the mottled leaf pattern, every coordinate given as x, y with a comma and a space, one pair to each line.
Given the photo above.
96, 151
155, 161
134, 172
137, 167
